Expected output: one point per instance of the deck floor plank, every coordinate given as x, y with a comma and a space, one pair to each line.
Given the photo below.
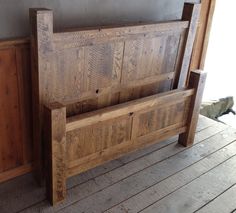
91, 187
224, 203
140, 180
175, 182
199, 192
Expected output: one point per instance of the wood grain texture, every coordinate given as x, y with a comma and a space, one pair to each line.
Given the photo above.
191, 13
102, 135
203, 189
104, 76
25, 98
41, 46
100, 100
94, 36
15, 110
32, 198
11, 152
91, 69
224, 203
133, 183
165, 187
56, 157
197, 80
203, 35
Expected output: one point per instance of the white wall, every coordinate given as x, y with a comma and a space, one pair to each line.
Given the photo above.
221, 55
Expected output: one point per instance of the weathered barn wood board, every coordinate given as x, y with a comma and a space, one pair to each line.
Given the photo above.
89, 135
156, 192
90, 68
224, 203
207, 187
138, 182
202, 36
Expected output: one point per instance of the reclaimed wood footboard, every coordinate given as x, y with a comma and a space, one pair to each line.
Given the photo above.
101, 92
81, 142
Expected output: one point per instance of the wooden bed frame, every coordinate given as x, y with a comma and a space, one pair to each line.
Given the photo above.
100, 93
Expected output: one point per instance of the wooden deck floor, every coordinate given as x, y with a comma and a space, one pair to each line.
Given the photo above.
162, 178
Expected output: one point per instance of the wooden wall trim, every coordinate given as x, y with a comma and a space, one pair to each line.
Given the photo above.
15, 109
21, 170
12, 42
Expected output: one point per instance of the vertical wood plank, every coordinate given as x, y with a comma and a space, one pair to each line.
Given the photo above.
55, 149
41, 24
197, 81
25, 99
191, 13
11, 149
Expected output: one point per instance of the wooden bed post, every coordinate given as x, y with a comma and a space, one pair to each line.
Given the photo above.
41, 34
197, 81
191, 13
55, 149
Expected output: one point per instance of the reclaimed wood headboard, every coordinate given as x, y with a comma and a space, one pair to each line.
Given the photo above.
106, 83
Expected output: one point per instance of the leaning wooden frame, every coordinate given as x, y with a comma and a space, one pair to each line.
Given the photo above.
100, 93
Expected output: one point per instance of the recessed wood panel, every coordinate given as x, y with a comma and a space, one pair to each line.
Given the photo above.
96, 138
111, 130
160, 118
10, 147
145, 58
15, 109
82, 72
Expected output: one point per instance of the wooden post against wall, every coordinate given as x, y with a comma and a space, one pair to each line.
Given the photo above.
191, 13
203, 34
197, 81
55, 151
41, 23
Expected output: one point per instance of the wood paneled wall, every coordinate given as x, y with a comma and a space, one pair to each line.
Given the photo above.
15, 109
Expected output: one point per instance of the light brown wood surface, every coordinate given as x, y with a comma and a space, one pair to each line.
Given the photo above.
96, 137
55, 143
203, 34
197, 80
191, 13
23, 55
91, 69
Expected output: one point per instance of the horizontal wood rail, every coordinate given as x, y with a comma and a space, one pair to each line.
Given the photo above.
81, 38
159, 100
